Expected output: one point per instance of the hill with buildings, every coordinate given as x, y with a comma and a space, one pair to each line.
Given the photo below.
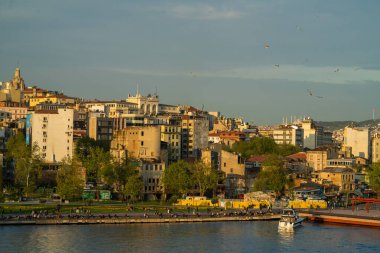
335, 125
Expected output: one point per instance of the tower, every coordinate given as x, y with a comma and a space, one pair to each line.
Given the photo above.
17, 81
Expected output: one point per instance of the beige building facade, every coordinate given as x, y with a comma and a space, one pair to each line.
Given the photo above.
376, 148
137, 142
358, 138
342, 177
317, 158
52, 131
171, 134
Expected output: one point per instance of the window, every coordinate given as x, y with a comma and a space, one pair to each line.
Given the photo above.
142, 143
142, 133
225, 164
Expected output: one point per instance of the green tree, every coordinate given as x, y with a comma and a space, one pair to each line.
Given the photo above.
262, 146
96, 163
287, 149
272, 178
203, 177
133, 187
85, 144
118, 172
28, 162
70, 182
374, 176
176, 178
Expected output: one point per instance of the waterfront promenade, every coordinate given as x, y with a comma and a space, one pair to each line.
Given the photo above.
127, 218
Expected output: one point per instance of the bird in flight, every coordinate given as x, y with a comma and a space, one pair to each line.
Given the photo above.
266, 45
311, 94
337, 70
277, 65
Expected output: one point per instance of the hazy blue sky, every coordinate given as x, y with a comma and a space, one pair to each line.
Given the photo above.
209, 53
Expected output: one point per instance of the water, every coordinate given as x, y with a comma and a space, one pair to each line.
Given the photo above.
260, 236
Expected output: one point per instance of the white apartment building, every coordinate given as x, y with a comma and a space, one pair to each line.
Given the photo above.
52, 131
312, 134
358, 138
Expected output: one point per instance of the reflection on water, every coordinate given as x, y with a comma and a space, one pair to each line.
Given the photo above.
197, 237
286, 235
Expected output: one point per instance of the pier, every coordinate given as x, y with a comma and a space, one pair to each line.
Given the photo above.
345, 216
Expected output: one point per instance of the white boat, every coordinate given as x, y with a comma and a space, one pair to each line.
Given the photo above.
289, 219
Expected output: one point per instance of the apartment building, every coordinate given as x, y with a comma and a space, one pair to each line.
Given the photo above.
358, 138
52, 131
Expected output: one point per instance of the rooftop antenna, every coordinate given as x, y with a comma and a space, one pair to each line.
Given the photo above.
137, 89
156, 93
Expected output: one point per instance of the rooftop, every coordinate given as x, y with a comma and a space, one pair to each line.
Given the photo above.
337, 170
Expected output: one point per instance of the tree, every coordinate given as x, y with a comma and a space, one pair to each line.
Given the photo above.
133, 187
28, 162
85, 144
374, 176
176, 178
262, 146
96, 163
70, 181
118, 173
203, 176
272, 178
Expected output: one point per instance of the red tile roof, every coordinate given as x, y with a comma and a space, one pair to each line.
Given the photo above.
299, 155
257, 158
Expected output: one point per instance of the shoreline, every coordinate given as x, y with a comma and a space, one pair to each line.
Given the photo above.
134, 220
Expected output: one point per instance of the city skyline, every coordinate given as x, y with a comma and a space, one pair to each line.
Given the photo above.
262, 60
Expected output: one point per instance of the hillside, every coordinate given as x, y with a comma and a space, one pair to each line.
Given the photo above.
335, 125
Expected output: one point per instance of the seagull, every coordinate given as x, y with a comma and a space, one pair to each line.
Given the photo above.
277, 65
337, 70
311, 94
266, 45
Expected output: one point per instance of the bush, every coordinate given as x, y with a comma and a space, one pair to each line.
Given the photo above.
214, 200
172, 200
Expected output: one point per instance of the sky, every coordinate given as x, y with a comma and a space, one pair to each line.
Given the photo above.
263, 60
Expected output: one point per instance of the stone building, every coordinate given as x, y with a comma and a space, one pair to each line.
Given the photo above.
141, 142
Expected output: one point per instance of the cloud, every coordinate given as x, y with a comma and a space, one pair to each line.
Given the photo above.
203, 12
299, 73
